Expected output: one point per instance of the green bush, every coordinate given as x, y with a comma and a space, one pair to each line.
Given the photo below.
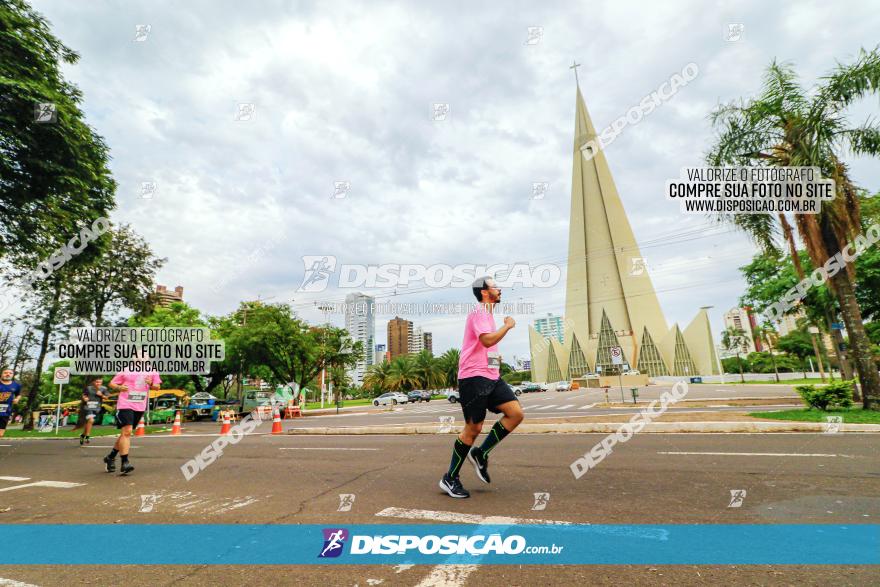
834, 395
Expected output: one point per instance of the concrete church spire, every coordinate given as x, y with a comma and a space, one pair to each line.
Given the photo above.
610, 299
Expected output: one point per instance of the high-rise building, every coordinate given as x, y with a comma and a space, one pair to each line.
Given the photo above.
610, 300
400, 334
550, 327
379, 354
361, 326
165, 297
739, 318
420, 341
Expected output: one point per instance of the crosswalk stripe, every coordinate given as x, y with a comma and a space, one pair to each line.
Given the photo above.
566, 407
547, 407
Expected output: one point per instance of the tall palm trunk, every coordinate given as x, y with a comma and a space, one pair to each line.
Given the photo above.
858, 338
845, 368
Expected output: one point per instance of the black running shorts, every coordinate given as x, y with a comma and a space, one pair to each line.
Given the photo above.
478, 394
4, 420
128, 418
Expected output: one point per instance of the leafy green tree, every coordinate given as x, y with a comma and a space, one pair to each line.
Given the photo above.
735, 339
120, 275
785, 126
54, 174
182, 315
797, 343
290, 349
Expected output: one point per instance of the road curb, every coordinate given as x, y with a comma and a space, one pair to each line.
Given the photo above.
601, 428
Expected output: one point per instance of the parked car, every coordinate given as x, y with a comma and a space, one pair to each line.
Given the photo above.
517, 389
528, 387
452, 396
544, 386
419, 395
392, 397
632, 372
563, 386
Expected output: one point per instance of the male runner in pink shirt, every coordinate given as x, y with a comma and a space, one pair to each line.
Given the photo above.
134, 392
481, 388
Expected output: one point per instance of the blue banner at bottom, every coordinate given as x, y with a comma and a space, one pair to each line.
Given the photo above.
372, 544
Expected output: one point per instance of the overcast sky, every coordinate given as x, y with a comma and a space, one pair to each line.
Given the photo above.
343, 91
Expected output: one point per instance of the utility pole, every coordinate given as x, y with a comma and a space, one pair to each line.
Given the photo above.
325, 308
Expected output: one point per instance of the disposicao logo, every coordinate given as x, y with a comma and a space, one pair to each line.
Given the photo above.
334, 542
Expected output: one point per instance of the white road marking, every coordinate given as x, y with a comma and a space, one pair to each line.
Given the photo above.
14, 583
14, 478
5, 445
460, 518
588, 407
322, 448
56, 484
547, 407
754, 454
566, 407
447, 576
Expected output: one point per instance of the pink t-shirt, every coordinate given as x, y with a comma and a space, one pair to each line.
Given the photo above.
474, 358
138, 385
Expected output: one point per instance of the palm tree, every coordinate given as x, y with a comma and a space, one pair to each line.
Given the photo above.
377, 376
785, 126
734, 339
428, 370
449, 364
402, 375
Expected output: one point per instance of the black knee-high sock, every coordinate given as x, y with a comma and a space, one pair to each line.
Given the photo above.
496, 435
113, 453
459, 452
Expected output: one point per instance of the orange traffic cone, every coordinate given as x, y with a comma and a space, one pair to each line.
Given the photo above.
175, 428
224, 428
276, 422
141, 429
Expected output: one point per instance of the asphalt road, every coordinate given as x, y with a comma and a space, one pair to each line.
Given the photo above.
788, 478
544, 405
